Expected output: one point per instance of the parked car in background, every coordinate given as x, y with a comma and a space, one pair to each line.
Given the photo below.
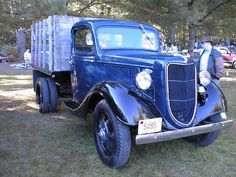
3, 58
229, 56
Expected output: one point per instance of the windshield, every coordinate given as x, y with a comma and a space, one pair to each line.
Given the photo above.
121, 37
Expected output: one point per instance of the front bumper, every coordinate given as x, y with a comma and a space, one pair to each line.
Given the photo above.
175, 134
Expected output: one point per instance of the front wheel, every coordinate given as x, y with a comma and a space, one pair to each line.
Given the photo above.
112, 138
207, 138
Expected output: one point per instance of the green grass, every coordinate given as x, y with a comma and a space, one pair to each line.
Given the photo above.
62, 145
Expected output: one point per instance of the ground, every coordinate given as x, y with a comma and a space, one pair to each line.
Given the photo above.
61, 145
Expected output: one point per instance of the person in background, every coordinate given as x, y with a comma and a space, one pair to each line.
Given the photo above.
27, 58
211, 60
162, 41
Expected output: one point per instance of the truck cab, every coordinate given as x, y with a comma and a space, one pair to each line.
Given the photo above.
117, 71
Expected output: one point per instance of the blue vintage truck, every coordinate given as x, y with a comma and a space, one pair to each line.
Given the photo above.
115, 70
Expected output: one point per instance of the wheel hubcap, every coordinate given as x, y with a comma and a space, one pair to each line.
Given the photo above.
102, 134
105, 136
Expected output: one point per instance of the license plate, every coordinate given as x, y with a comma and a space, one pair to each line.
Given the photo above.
149, 126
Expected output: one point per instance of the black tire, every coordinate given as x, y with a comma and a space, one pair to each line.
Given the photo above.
42, 95
53, 95
37, 74
234, 65
112, 138
204, 140
35, 78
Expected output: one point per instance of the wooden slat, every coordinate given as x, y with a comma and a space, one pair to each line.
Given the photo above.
32, 44
40, 45
36, 44
44, 31
50, 38
56, 58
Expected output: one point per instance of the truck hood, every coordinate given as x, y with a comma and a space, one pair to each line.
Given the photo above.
144, 58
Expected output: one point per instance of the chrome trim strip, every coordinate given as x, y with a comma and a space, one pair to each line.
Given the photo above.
175, 134
167, 94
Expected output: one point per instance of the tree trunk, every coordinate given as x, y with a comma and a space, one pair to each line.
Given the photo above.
171, 36
184, 36
192, 34
21, 43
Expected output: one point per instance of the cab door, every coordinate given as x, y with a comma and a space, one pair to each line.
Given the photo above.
83, 66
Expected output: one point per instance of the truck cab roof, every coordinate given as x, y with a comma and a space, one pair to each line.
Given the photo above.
95, 22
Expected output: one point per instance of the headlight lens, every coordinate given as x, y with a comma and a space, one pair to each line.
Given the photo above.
205, 78
144, 79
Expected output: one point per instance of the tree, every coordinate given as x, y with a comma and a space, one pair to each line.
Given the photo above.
195, 12
20, 14
89, 8
182, 21
21, 43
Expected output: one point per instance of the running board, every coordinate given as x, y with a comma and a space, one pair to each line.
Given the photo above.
72, 106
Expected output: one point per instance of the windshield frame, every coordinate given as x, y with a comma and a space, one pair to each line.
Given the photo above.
156, 40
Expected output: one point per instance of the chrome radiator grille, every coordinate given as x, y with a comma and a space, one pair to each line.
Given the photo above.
181, 92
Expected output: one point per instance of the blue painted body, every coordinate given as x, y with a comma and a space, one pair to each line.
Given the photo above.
110, 74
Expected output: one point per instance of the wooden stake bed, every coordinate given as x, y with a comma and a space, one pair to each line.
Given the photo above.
51, 43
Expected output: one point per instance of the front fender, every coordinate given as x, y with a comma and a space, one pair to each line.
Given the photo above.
216, 103
128, 107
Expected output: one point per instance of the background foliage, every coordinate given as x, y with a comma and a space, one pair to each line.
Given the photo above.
181, 21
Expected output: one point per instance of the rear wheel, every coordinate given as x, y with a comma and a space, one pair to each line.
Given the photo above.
53, 95
112, 138
207, 138
42, 95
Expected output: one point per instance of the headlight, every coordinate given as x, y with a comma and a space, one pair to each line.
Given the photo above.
144, 79
205, 78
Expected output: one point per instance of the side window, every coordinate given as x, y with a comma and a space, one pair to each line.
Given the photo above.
223, 51
83, 40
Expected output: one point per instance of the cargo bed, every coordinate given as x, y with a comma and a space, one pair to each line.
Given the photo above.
51, 43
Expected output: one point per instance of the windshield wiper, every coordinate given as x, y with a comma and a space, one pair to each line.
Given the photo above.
145, 32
